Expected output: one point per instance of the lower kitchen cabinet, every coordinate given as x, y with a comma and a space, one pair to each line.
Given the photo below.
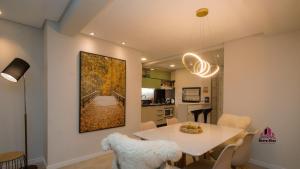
154, 113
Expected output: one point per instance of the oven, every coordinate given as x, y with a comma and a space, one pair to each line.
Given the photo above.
168, 111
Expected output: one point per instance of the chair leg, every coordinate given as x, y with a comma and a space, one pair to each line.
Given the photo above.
194, 158
182, 162
206, 155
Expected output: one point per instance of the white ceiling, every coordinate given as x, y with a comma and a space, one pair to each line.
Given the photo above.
32, 12
215, 56
164, 28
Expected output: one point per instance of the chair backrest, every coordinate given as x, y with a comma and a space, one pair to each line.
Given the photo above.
243, 152
172, 121
235, 121
225, 158
131, 153
148, 125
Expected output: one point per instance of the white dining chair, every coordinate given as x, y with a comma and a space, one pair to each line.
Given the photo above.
171, 121
243, 152
223, 161
147, 125
137, 154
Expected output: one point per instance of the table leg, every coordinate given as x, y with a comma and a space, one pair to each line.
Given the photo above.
196, 115
205, 117
206, 112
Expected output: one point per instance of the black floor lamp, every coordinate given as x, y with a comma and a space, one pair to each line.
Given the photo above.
13, 72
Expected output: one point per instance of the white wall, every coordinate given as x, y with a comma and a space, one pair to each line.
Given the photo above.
27, 43
262, 80
64, 141
184, 78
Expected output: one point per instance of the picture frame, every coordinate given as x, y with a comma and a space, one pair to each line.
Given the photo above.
102, 92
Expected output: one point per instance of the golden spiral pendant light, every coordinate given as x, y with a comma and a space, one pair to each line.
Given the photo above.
198, 66
194, 63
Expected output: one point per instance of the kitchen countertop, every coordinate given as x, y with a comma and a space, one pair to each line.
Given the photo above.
156, 104
198, 103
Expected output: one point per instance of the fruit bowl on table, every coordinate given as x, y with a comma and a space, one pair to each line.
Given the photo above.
191, 128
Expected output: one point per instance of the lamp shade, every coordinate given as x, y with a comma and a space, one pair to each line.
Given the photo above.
15, 70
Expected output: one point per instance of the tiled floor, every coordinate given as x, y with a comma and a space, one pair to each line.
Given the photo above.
104, 162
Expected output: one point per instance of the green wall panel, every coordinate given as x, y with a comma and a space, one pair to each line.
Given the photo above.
151, 83
157, 74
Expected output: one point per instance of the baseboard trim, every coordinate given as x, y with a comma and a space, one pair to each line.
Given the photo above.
76, 160
265, 164
39, 160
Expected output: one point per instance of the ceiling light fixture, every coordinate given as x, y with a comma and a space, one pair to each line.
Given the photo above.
202, 12
152, 69
123, 43
143, 59
172, 65
194, 63
92, 34
200, 67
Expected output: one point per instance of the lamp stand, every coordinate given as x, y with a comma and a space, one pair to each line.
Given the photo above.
25, 118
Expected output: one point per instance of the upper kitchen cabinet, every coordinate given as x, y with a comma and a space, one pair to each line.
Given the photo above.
156, 79
156, 74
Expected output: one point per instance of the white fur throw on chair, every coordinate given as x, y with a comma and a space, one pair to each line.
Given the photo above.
139, 154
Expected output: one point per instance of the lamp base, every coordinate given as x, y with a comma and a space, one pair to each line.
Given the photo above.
30, 167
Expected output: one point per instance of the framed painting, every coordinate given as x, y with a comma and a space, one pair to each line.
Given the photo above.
102, 92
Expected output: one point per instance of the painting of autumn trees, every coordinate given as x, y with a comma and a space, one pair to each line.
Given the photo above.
102, 92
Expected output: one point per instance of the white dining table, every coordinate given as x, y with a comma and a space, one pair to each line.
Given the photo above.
192, 144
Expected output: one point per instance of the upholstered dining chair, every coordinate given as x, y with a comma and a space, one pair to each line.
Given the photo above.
147, 125
138, 154
171, 121
235, 121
